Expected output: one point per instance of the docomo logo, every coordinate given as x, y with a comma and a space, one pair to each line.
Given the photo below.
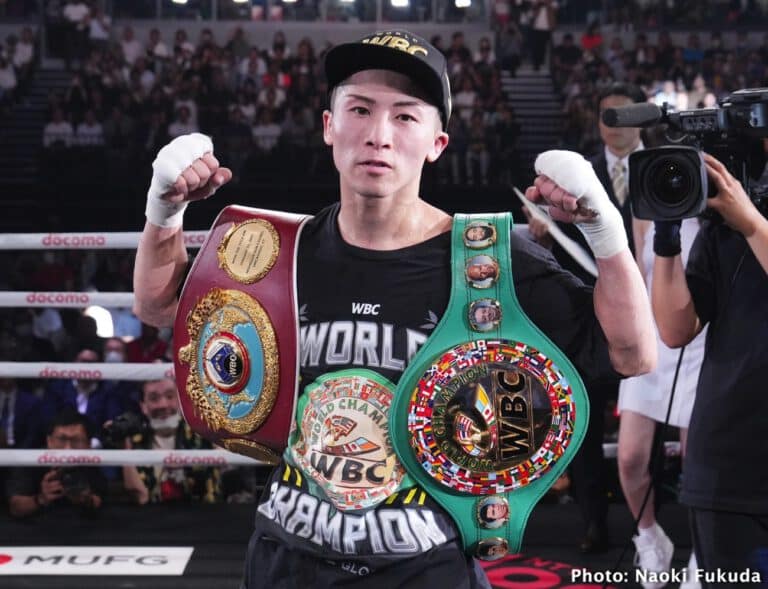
197, 238
49, 298
178, 460
70, 459
84, 374
57, 240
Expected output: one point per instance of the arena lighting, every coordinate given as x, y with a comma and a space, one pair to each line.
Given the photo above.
103, 318
179, 1
400, 3
240, 1
463, 3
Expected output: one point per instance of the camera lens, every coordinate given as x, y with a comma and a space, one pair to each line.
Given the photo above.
671, 180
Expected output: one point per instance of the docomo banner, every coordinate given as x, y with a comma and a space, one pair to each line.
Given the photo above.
22, 299
87, 370
94, 560
166, 458
63, 241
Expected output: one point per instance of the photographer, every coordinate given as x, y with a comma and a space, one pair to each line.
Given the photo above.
31, 490
164, 429
725, 285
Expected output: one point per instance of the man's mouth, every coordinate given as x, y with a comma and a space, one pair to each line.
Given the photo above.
375, 164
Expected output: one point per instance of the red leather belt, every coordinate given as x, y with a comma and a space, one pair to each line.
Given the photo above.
236, 333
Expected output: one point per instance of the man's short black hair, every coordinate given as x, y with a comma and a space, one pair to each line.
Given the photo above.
69, 416
634, 93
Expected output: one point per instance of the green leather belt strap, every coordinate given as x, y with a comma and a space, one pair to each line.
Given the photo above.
490, 412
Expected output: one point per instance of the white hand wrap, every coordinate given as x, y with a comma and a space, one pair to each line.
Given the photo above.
170, 162
605, 232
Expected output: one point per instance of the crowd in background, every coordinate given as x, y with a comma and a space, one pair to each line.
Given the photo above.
260, 102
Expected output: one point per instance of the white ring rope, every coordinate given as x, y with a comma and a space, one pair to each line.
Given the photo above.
172, 458
168, 458
87, 370
68, 241
62, 299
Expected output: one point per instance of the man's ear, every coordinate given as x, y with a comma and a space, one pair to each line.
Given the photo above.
439, 145
327, 122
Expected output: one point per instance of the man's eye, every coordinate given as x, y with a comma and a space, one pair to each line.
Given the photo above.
406, 117
359, 110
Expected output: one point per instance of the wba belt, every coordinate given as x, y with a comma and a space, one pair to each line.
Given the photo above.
236, 333
489, 412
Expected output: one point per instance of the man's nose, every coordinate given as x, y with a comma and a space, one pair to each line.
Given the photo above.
380, 131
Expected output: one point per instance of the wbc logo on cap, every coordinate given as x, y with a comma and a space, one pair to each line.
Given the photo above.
395, 41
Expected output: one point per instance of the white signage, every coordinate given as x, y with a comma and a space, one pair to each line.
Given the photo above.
94, 560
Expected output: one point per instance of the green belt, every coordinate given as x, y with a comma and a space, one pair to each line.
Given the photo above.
490, 412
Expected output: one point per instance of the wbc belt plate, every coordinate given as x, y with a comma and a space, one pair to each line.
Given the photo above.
236, 333
490, 412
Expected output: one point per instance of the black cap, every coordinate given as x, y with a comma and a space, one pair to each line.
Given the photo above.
399, 51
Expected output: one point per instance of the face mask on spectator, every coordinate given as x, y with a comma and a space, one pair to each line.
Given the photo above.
165, 423
114, 356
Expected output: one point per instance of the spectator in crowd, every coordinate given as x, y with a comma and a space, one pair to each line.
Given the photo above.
58, 133
89, 133
565, 57
509, 47
32, 490
76, 15
8, 83
238, 44
182, 124
24, 57
91, 397
266, 132
20, 424
131, 47
99, 28
158, 52
478, 158
543, 23
148, 347
166, 430
125, 391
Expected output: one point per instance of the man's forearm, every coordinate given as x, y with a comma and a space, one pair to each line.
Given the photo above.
758, 242
672, 303
624, 312
161, 261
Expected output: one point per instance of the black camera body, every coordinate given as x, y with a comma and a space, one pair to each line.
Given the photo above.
670, 182
124, 426
74, 480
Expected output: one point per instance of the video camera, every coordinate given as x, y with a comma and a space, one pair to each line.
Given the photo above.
670, 182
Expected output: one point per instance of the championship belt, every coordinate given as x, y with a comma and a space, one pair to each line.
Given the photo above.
490, 412
236, 333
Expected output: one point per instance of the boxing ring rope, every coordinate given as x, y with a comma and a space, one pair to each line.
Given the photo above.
138, 371
113, 371
64, 299
88, 241
167, 458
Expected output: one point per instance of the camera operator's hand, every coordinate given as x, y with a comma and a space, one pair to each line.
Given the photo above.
51, 488
86, 498
731, 200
